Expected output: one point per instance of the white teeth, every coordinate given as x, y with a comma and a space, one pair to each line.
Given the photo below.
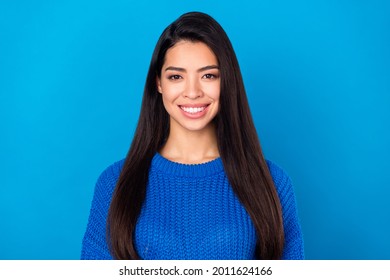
192, 110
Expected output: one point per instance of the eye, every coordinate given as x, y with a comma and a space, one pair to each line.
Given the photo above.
210, 76
174, 77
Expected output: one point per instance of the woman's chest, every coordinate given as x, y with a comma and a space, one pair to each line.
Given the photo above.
193, 219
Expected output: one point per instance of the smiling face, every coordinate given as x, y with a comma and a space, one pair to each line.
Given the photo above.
190, 86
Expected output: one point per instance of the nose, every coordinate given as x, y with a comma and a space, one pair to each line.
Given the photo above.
193, 89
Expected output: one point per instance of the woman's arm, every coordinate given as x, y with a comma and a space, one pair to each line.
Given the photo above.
293, 244
94, 244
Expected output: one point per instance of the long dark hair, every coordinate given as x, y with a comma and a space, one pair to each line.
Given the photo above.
238, 145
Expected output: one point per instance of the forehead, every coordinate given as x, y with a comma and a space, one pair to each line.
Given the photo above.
190, 54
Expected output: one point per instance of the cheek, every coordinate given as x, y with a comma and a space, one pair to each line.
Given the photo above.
214, 91
168, 99
167, 102
171, 92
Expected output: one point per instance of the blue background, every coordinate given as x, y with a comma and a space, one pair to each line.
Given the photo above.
317, 75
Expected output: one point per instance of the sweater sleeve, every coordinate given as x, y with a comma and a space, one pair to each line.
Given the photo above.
94, 244
293, 244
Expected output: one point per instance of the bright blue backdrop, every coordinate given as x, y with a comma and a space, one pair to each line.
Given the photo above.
317, 76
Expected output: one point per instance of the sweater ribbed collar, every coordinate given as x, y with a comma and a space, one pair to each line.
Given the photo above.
186, 170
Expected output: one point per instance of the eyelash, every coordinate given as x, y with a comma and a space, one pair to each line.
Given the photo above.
207, 76
210, 76
174, 77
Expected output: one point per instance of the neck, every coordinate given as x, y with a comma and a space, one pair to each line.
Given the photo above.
191, 147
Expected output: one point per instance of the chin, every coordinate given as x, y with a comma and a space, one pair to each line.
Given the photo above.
195, 127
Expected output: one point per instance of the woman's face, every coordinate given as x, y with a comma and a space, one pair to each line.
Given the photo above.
190, 85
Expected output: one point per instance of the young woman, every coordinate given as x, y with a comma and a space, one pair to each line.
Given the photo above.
195, 184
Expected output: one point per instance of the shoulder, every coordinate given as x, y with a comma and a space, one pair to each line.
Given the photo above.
104, 189
279, 175
94, 244
293, 247
107, 180
282, 182
111, 173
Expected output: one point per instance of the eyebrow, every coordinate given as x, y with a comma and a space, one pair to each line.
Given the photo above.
179, 69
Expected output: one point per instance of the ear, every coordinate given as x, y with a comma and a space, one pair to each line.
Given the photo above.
158, 83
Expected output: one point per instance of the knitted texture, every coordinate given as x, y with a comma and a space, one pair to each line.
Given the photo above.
190, 212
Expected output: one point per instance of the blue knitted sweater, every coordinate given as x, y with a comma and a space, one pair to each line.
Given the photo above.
190, 212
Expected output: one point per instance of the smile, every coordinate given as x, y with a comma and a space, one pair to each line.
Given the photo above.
193, 110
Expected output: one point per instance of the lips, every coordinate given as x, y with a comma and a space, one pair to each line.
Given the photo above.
193, 109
